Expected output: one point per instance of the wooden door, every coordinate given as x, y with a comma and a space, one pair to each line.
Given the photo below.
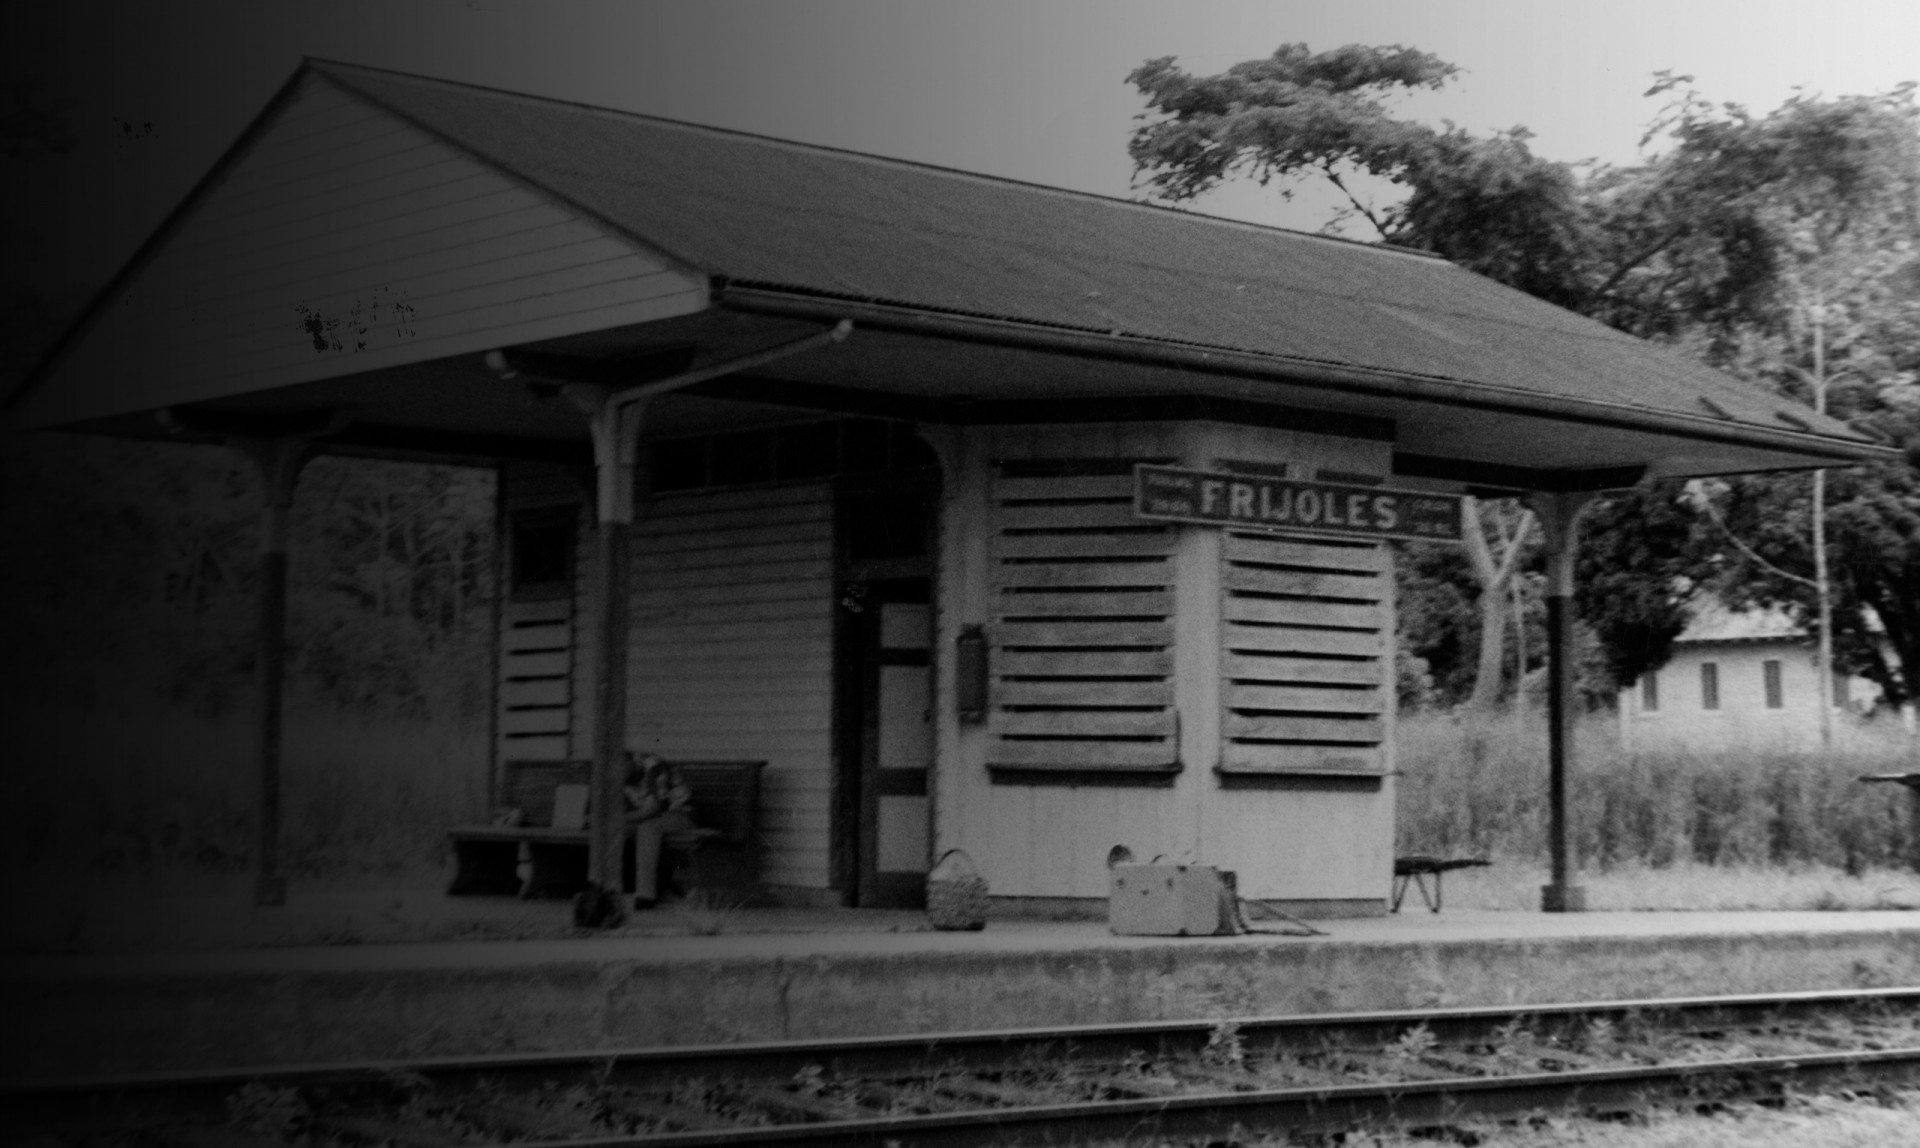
884, 723
896, 744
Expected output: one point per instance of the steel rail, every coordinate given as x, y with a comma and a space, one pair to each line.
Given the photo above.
970, 1049
161, 1094
1326, 1108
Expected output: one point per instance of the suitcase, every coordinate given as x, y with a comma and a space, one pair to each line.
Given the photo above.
1171, 901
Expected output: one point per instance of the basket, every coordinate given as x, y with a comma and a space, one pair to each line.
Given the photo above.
956, 893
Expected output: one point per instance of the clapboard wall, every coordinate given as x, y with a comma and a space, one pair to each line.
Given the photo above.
343, 239
732, 654
1122, 708
540, 695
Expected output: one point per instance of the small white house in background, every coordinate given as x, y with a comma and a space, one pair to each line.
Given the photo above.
1745, 680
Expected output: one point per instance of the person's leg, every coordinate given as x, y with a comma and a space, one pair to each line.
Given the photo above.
647, 837
671, 822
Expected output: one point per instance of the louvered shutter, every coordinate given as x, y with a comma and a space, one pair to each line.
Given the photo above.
1306, 654
1082, 637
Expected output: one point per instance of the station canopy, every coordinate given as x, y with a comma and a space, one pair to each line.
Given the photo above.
373, 235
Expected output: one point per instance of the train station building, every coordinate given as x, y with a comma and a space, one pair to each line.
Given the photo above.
987, 515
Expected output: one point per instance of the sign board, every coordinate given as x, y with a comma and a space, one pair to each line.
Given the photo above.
1217, 498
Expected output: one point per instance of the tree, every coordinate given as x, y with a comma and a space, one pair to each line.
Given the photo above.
1637, 569
1488, 204
1745, 233
1495, 573
1836, 194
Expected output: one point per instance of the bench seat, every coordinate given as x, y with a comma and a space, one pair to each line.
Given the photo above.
721, 855
1417, 867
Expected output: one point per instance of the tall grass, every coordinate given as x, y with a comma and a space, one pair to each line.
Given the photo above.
135, 787
138, 787
1478, 785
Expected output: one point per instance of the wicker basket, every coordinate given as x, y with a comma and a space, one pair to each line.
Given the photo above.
956, 893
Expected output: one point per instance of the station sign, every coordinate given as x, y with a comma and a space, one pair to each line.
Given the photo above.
1221, 498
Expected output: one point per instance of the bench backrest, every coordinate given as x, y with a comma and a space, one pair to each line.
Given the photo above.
528, 786
726, 794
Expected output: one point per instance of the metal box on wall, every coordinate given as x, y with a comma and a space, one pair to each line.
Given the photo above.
1169, 901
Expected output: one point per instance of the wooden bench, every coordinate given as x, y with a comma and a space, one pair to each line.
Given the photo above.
1417, 867
721, 855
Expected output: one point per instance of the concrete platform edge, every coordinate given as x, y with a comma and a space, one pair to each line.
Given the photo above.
541, 997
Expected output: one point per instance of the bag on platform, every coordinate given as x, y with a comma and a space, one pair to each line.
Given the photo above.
956, 893
595, 908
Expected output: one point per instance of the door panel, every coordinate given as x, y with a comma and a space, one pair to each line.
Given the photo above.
901, 841
906, 737
897, 744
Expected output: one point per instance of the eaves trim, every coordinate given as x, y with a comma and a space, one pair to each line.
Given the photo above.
1006, 331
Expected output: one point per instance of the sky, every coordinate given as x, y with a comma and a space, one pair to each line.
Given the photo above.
1026, 89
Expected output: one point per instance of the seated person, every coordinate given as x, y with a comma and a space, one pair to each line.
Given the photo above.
658, 803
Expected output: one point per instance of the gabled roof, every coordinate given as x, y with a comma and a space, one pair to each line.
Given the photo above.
1712, 621
1091, 278
808, 219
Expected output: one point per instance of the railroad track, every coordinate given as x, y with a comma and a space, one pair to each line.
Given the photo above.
1053, 1085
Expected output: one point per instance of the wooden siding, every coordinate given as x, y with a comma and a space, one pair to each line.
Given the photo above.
540, 695
732, 653
1301, 801
1306, 635
536, 680
345, 240
1083, 630
1041, 833
1306, 842
1046, 834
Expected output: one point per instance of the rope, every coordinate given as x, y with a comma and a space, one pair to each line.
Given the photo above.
1240, 905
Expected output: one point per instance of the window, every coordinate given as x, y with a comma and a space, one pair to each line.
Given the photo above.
1709, 686
540, 548
1776, 697
785, 454
1649, 692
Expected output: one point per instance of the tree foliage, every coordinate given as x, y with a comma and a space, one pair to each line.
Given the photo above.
145, 570
1736, 239
1486, 203
1634, 576
1840, 198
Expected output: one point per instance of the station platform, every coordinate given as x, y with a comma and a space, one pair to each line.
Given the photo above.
792, 974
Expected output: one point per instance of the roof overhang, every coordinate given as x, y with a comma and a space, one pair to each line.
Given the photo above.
1451, 388
930, 367
1428, 412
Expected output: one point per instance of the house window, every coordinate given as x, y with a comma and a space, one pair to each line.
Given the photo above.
1776, 697
540, 546
1649, 693
1709, 686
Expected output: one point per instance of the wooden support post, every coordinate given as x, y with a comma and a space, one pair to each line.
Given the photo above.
278, 462
614, 420
615, 427
1559, 515
609, 595
1913, 825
